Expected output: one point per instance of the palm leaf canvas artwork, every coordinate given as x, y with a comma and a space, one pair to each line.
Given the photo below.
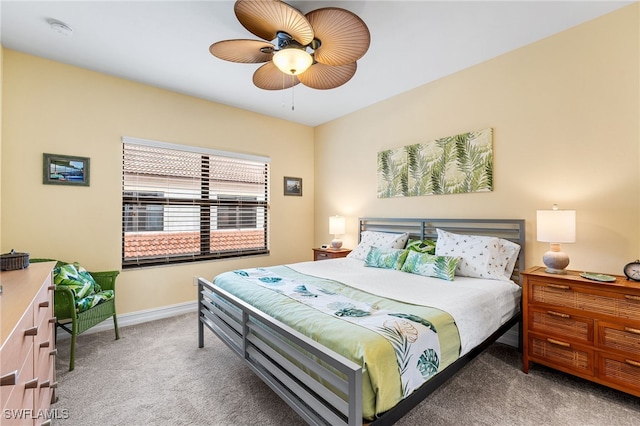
450, 165
392, 173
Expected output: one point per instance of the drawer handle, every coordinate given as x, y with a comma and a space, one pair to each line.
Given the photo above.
558, 342
53, 320
44, 384
44, 304
51, 287
631, 362
632, 330
322, 255
53, 385
631, 297
44, 344
559, 287
558, 314
9, 379
53, 352
31, 384
31, 331
46, 423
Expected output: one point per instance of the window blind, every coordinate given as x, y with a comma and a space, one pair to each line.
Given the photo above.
184, 204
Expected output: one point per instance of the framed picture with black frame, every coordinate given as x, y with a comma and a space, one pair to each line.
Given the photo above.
293, 186
60, 169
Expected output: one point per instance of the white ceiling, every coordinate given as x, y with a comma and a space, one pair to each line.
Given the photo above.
166, 44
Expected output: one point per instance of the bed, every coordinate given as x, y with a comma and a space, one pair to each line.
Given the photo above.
355, 341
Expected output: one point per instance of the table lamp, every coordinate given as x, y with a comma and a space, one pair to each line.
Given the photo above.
556, 226
336, 227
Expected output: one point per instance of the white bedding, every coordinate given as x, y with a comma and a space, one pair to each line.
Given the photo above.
478, 306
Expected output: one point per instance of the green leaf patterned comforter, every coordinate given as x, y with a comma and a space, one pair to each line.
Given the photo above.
399, 345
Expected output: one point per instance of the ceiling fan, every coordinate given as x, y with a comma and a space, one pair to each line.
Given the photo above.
319, 49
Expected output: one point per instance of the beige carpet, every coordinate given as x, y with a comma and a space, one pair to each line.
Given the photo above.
156, 375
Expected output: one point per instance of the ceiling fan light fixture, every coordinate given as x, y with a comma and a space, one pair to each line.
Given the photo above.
292, 60
318, 49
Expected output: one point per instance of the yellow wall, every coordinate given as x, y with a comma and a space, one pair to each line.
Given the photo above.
55, 108
565, 116
1, 74
565, 113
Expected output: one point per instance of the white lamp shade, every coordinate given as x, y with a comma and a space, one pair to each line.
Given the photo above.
292, 61
556, 226
336, 225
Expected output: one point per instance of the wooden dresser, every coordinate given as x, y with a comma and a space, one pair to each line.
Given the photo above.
587, 328
322, 254
27, 354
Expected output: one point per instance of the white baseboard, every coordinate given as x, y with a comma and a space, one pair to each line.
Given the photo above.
139, 317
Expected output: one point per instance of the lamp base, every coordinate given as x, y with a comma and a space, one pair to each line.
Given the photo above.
336, 243
556, 271
555, 260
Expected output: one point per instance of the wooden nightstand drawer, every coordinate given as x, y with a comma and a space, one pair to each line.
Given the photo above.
620, 370
560, 353
561, 324
322, 254
619, 337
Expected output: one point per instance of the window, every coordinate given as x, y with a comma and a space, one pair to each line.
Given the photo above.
232, 211
183, 204
143, 217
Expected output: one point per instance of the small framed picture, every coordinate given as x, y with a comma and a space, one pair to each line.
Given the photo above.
293, 186
65, 170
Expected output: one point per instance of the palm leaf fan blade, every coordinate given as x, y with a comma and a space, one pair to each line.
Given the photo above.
265, 18
242, 51
343, 36
323, 77
269, 77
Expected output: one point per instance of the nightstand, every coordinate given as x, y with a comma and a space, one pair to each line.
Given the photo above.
323, 254
587, 328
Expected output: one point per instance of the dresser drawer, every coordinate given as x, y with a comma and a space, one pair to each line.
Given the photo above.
619, 337
618, 304
15, 350
621, 370
43, 303
561, 354
21, 396
561, 324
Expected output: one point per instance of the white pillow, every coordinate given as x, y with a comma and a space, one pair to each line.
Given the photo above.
509, 255
381, 240
479, 255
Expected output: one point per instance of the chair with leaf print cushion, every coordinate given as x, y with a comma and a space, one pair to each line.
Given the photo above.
82, 299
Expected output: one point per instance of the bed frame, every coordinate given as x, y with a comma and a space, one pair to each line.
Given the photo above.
323, 387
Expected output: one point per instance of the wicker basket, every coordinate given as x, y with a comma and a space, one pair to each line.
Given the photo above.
13, 260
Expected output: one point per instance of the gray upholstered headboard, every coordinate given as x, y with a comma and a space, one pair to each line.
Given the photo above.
425, 229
